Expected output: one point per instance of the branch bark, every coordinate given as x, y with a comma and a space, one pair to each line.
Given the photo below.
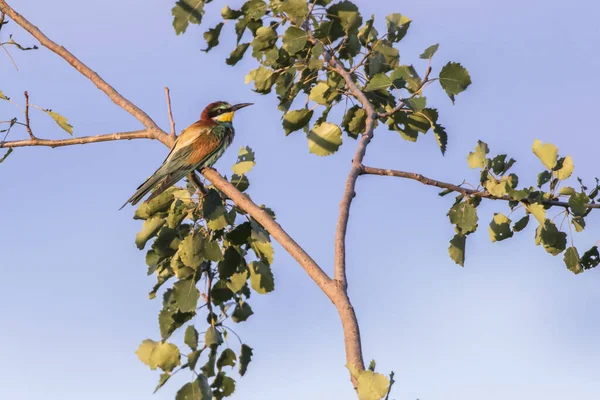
349, 189
455, 188
143, 134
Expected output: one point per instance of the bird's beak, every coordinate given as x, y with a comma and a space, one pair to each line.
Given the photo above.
241, 105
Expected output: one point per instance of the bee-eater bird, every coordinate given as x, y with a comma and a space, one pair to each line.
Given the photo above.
199, 145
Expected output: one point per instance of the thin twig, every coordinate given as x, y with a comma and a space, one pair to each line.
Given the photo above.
10, 56
27, 122
403, 102
444, 185
143, 134
171, 120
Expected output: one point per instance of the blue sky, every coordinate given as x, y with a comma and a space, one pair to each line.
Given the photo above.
514, 323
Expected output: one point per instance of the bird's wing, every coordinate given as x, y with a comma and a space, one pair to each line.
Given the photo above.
193, 147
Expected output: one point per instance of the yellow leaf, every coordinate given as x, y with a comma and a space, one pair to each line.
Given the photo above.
566, 170
547, 153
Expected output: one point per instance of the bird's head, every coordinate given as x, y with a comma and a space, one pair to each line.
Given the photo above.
222, 111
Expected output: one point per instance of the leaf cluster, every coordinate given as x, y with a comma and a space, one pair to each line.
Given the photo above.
208, 257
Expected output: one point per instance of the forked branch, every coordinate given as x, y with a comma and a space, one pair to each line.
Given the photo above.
455, 188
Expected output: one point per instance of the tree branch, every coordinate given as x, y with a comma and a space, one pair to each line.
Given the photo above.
171, 120
263, 218
350, 325
443, 185
27, 122
349, 190
83, 69
143, 134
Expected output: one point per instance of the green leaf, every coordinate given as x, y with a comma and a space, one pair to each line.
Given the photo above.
186, 12
237, 54
578, 223
566, 191
261, 277
571, 259
191, 337
521, 224
500, 228
212, 37
324, 139
263, 79
265, 38
454, 79
164, 377
457, 249
245, 161
237, 281
149, 229
191, 250
296, 120
6, 155
441, 137
232, 260
61, 121
241, 183
547, 153
186, 295
590, 258
294, 39
166, 356
193, 358
566, 170
264, 251
212, 251
245, 358
346, 13
242, 312
254, 9
416, 104
464, 216
228, 13
212, 337
378, 82
322, 94
538, 211
368, 34
406, 75
227, 358
577, 203
369, 385
158, 204
297, 10
553, 240
144, 353
430, 51
158, 354
208, 369
225, 385
397, 26
477, 158
543, 178
240, 234
196, 390
354, 122
177, 213
496, 187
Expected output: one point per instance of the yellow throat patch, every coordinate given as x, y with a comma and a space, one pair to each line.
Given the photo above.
225, 117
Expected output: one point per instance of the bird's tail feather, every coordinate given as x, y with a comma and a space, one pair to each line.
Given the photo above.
169, 181
143, 189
